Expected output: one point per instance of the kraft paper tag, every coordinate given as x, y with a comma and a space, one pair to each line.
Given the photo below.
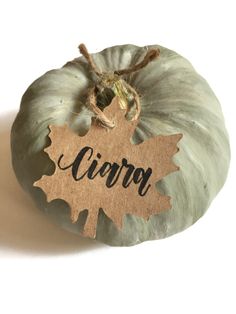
104, 170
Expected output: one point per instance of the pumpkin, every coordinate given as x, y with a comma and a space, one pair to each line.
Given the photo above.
174, 99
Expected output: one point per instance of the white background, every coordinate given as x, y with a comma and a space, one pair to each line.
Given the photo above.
44, 269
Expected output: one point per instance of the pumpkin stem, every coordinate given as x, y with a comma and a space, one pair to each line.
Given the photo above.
128, 97
136, 98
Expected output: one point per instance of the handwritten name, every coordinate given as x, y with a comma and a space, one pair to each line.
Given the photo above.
111, 171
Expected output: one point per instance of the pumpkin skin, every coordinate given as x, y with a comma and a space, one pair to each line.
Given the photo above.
174, 99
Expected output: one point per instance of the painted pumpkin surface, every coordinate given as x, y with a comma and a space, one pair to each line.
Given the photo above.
174, 98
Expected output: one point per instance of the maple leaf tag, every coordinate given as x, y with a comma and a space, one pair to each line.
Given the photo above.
103, 170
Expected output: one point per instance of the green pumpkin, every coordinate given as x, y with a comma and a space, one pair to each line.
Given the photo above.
174, 99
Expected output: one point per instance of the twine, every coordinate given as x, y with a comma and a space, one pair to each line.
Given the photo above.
108, 80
